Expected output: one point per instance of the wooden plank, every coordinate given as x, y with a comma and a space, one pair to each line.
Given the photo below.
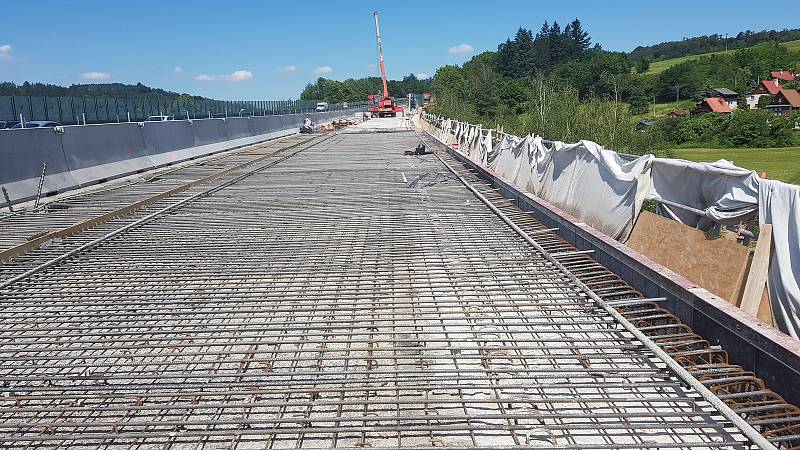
716, 264
757, 279
765, 310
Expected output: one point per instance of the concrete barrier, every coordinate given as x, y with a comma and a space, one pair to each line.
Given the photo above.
91, 154
22, 155
164, 137
94, 152
238, 127
259, 125
274, 123
208, 131
92, 145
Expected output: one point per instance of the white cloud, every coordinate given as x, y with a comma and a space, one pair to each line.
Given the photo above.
422, 76
287, 69
178, 69
323, 70
372, 66
460, 49
5, 52
239, 75
95, 75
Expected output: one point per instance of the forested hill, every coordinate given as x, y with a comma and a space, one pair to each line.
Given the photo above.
90, 90
357, 90
558, 84
708, 44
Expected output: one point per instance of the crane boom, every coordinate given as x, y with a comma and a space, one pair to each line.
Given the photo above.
386, 106
380, 56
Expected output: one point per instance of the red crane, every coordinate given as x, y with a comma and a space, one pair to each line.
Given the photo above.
386, 106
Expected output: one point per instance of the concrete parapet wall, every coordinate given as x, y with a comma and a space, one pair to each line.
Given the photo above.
84, 155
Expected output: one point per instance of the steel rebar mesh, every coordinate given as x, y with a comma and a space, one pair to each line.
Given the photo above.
349, 296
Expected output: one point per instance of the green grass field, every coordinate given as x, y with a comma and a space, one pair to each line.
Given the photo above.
662, 109
660, 66
779, 163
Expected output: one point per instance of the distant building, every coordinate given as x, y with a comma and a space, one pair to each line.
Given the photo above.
784, 75
677, 113
730, 97
786, 101
766, 87
712, 104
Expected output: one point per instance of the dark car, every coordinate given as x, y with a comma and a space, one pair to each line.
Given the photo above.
37, 124
5, 124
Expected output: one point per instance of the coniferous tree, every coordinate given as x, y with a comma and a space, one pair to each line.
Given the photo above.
526, 55
580, 38
558, 46
541, 48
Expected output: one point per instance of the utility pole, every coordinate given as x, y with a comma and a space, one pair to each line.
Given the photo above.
654, 107
726, 43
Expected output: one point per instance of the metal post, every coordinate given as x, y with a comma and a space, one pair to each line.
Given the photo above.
8, 200
41, 184
83, 114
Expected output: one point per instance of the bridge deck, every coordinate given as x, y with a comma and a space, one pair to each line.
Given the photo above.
347, 296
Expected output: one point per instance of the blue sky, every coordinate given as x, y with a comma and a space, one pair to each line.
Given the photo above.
270, 49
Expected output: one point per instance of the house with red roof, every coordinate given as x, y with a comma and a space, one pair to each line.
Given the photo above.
784, 75
766, 87
785, 102
712, 104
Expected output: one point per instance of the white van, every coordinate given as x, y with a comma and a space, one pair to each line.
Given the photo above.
322, 106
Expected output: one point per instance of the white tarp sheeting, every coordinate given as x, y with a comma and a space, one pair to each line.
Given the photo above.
727, 194
606, 192
779, 205
583, 179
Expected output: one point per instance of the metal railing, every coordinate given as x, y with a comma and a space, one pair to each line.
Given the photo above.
90, 110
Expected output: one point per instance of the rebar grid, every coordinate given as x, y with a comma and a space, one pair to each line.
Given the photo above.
741, 390
347, 297
74, 207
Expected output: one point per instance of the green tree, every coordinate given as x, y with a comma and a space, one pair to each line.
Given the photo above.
578, 37
763, 101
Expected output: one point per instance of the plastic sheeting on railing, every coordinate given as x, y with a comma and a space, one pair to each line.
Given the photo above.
779, 205
583, 179
605, 191
726, 194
